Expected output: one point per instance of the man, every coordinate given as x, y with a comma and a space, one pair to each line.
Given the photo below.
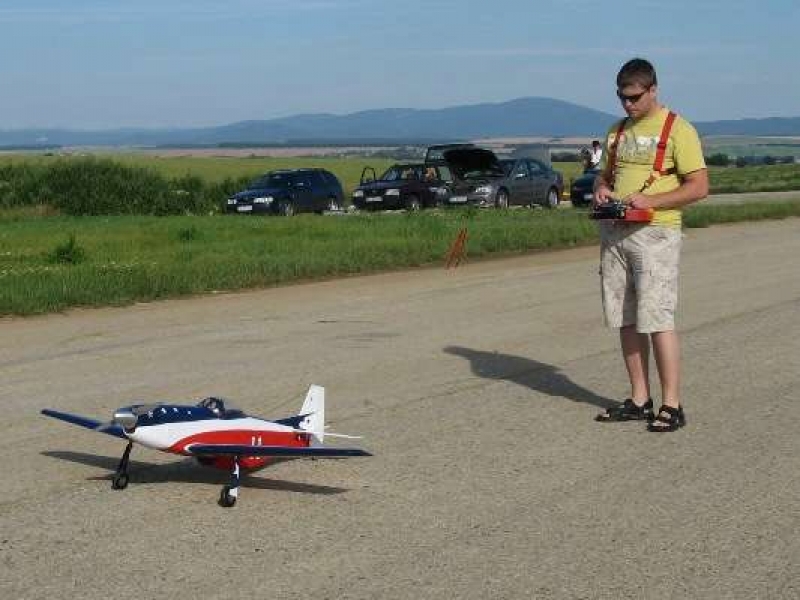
595, 155
639, 262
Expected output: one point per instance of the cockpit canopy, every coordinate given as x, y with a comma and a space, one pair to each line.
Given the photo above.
224, 409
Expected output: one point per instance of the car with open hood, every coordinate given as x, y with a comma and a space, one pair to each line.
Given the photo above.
289, 191
481, 179
470, 168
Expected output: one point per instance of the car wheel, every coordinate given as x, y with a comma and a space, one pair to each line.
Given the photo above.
501, 201
552, 198
413, 204
286, 208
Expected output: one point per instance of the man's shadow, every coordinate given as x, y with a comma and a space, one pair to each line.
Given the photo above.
529, 373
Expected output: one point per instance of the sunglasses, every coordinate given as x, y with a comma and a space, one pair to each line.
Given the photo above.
632, 98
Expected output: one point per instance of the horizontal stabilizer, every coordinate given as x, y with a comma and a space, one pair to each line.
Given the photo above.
107, 428
336, 435
243, 450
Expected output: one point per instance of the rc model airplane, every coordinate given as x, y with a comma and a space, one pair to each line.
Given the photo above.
218, 435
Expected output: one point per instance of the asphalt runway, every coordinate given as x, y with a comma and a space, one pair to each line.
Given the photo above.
475, 388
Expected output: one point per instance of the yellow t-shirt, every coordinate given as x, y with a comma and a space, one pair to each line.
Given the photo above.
636, 153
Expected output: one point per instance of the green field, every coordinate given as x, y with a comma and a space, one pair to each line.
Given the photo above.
52, 263
752, 145
217, 169
230, 171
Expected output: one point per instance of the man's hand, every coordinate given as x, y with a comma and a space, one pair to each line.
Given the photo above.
639, 200
602, 194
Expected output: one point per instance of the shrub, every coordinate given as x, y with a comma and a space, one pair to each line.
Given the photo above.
189, 234
718, 160
69, 253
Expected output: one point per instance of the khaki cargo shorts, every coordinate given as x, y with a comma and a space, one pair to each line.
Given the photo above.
639, 275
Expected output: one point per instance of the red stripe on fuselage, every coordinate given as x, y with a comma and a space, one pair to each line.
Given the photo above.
242, 437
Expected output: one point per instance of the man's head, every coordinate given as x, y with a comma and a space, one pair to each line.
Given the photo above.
595, 144
637, 87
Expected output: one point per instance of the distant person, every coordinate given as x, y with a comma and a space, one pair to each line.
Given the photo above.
595, 156
586, 157
430, 174
639, 261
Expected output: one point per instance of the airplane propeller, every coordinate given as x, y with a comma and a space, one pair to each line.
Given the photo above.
126, 418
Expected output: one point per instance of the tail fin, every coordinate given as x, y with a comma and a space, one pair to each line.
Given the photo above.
314, 411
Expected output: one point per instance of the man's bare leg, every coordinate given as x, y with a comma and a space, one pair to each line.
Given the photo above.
666, 349
636, 353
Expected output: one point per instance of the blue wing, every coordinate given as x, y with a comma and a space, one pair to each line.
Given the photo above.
242, 450
108, 428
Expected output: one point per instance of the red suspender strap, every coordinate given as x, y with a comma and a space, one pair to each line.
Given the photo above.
661, 150
658, 164
611, 164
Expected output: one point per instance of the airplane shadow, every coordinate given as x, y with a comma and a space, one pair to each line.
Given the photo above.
538, 376
185, 471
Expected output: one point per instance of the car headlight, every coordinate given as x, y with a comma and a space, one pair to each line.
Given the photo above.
231, 201
263, 200
483, 189
358, 194
393, 192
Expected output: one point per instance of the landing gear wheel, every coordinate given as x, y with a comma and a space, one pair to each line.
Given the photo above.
120, 481
226, 498
230, 492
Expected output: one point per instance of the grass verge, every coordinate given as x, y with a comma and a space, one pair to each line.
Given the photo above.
48, 264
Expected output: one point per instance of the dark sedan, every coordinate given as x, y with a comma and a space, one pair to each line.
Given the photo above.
288, 192
582, 189
408, 186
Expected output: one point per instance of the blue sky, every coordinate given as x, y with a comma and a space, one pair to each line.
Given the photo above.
161, 63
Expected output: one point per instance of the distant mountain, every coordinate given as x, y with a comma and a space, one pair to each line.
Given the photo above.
772, 126
522, 117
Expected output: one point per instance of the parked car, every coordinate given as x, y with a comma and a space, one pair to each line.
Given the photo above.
481, 179
527, 181
289, 191
408, 185
582, 189
470, 168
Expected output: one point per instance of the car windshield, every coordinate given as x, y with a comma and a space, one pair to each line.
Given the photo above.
271, 180
398, 172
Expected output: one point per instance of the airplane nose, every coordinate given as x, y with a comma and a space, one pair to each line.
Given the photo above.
126, 419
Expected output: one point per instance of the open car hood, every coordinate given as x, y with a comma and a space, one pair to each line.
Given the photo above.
463, 160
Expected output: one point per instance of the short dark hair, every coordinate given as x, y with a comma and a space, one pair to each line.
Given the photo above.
637, 71
595, 142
